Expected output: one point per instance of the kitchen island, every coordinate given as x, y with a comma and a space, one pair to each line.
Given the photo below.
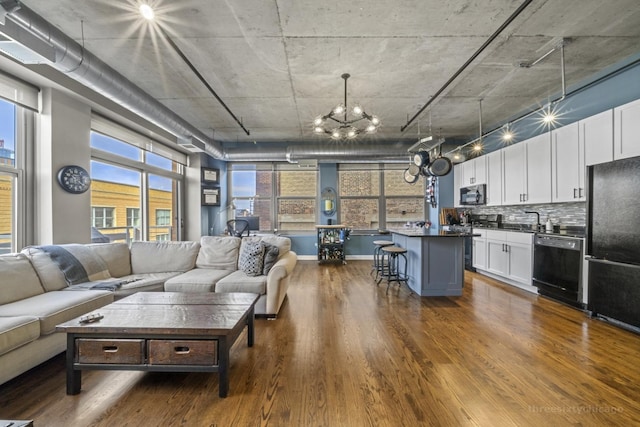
435, 260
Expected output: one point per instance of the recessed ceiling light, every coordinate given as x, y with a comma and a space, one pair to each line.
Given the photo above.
147, 12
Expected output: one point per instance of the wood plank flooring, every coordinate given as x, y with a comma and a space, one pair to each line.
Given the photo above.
344, 353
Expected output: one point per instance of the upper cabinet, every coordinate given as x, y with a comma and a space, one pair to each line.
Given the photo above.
457, 183
474, 172
596, 139
626, 140
567, 165
527, 171
574, 146
513, 183
494, 178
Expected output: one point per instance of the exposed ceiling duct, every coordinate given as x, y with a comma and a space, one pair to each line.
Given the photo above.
352, 153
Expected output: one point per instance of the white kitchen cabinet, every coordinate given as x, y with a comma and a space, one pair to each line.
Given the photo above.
494, 178
479, 251
513, 161
527, 171
575, 146
457, 183
510, 254
626, 120
596, 138
567, 168
538, 168
474, 171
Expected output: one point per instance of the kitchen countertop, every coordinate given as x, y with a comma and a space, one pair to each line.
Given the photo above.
568, 231
431, 232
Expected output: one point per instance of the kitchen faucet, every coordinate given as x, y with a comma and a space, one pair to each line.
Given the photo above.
537, 218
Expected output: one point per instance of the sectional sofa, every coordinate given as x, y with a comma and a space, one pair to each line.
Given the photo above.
47, 285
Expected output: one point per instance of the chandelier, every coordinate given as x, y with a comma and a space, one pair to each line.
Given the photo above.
346, 128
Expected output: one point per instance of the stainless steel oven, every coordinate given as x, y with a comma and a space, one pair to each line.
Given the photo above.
557, 268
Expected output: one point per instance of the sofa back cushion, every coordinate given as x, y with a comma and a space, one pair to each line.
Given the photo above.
19, 279
218, 252
68, 264
283, 243
162, 257
116, 256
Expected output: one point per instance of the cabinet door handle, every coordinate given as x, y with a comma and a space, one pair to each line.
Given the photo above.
580, 190
574, 193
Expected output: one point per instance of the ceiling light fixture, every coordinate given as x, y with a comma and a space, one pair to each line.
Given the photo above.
549, 117
147, 12
507, 135
347, 128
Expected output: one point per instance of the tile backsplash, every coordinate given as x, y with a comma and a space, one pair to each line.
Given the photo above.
573, 213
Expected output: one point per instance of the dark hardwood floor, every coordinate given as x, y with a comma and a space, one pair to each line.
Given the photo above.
343, 353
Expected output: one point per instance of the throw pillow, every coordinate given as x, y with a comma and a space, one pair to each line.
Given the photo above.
271, 253
251, 259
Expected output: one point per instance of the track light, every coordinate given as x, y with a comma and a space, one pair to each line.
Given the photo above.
147, 12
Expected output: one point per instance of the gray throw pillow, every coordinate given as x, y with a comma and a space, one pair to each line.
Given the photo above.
251, 259
271, 253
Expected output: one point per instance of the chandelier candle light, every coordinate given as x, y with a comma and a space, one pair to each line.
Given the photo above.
346, 128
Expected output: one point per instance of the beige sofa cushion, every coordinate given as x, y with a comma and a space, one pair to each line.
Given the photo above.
18, 279
219, 252
239, 281
56, 307
196, 280
68, 264
159, 257
283, 243
17, 331
50, 275
115, 255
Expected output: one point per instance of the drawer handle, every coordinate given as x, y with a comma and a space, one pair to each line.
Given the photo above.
110, 348
182, 350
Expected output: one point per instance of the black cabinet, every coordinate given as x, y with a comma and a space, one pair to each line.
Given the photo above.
331, 240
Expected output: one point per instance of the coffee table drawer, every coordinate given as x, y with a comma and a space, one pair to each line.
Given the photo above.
183, 352
106, 351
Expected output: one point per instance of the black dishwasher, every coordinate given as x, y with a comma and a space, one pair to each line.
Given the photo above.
557, 268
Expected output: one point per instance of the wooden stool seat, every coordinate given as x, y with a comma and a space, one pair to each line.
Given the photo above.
377, 258
392, 254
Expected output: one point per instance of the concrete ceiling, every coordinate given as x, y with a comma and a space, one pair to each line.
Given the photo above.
277, 63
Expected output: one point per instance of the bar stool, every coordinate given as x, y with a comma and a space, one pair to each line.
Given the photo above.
392, 255
378, 266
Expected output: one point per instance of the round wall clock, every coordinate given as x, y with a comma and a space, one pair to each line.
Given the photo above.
74, 179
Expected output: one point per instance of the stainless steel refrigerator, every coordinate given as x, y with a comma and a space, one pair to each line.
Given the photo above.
613, 241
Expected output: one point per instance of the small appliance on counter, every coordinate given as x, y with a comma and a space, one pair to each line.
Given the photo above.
486, 220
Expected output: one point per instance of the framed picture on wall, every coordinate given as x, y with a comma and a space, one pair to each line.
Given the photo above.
210, 176
210, 196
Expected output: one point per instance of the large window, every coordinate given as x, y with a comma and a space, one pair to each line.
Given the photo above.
374, 197
141, 179
16, 124
6, 212
297, 192
252, 193
282, 196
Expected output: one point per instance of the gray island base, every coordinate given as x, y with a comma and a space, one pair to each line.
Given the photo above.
435, 260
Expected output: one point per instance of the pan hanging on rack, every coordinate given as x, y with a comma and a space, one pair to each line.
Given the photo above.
440, 166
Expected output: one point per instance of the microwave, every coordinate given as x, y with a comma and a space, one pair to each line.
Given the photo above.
474, 195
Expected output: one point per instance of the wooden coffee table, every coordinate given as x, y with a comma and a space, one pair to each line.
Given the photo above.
160, 331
